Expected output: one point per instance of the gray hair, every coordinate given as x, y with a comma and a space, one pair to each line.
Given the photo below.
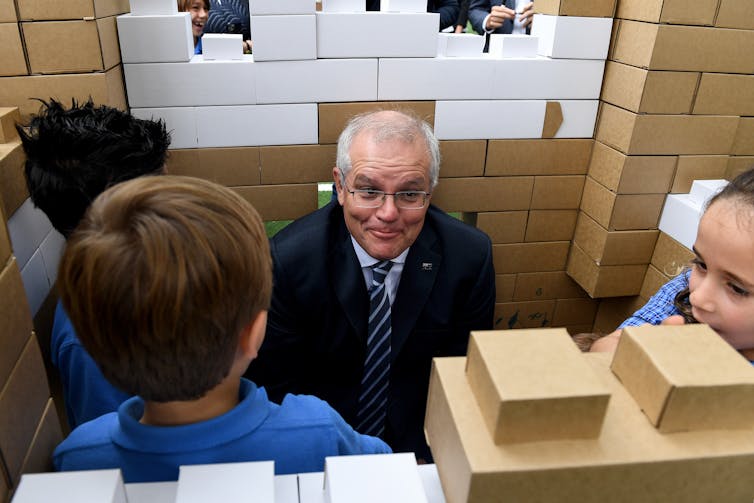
383, 126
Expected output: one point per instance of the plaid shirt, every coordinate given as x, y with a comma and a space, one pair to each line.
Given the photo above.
661, 305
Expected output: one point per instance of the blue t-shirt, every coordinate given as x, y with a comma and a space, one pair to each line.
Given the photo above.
198, 46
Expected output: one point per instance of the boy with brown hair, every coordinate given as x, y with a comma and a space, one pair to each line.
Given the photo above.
167, 281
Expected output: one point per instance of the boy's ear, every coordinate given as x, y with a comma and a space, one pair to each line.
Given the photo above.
252, 335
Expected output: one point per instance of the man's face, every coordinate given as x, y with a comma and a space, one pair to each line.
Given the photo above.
390, 166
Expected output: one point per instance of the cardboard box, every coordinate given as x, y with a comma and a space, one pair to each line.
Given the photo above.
5, 245
744, 141
613, 311
484, 193
226, 482
589, 8
8, 14
505, 285
274, 7
373, 478
462, 158
711, 387
724, 94
155, 39
105, 88
94, 45
517, 315
152, 7
13, 191
522, 399
14, 309
653, 281
89, 486
296, 164
151, 492
46, 438
550, 225
680, 218
604, 280
546, 286
506, 45
620, 212
625, 459
702, 167
180, 121
737, 165
503, 226
633, 174
575, 313
9, 117
668, 11
334, 116
684, 48
670, 256
538, 157
665, 134
12, 59
572, 37
226, 166
649, 91
735, 14
557, 192
455, 45
36, 10
284, 37
27, 227
299, 200
222, 46
547, 79
530, 257
614, 247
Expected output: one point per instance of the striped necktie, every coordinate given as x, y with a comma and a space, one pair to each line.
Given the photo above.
376, 378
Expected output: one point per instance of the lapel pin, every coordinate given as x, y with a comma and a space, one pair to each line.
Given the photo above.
426, 266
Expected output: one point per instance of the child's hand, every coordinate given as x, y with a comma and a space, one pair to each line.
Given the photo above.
607, 343
676, 319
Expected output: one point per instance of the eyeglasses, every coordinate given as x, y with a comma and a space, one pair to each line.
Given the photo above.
404, 199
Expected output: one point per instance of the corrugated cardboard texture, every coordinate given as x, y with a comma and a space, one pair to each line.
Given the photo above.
526, 398
537, 157
13, 190
670, 256
550, 225
649, 91
557, 192
546, 286
604, 281
504, 287
7, 11
702, 167
503, 226
528, 314
653, 280
31, 10
334, 116
735, 14
9, 116
724, 94
530, 257
631, 461
583, 8
744, 142
227, 166
266, 199
633, 174
613, 311
16, 316
46, 438
701, 12
12, 59
484, 193
297, 164
685, 378
737, 165
462, 158
553, 119
614, 247
575, 312
617, 212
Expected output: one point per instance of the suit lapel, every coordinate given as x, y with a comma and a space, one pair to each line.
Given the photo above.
348, 281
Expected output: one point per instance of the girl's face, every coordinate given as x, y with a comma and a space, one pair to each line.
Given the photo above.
199, 15
722, 277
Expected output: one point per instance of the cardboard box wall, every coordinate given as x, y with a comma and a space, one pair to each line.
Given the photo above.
633, 174
334, 116
737, 165
653, 280
575, 313
530, 257
703, 167
545, 286
462, 158
299, 200
12, 59
613, 311
735, 14
725, 94
620, 212
743, 144
502, 226
14, 310
48, 435
669, 11
234, 166
537, 157
550, 225
528, 314
614, 247
604, 281
9, 117
589, 8
557, 192
484, 193
13, 191
8, 11
35, 10
670, 256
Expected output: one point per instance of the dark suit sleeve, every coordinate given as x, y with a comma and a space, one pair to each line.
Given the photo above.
448, 10
478, 10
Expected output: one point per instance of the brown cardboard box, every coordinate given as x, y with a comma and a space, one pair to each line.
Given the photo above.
104, 88
583, 8
710, 387
550, 225
503, 226
575, 312
13, 191
22, 403
234, 166
537, 157
735, 14
505, 284
16, 316
93, 45
530, 257
557, 192
725, 94
297, 164
12, 59
604, 281
462, 158
9, 117
670, 256
649, 91
620, 212
631, 174
7, 15
613, 311
532, 314
630, 461
522, 399
701, 12
46, 438
546, 286
702, 167
737, 165
34, 10
653, 280
665, 134
744, 141
334, 116
484, 193
684, 48
614, 247
5, 246
281, 202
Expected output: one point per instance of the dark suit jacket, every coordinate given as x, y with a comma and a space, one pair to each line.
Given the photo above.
448, 10
317, 326
478, 10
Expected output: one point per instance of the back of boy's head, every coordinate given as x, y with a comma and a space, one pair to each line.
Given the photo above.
74, 154
160, 279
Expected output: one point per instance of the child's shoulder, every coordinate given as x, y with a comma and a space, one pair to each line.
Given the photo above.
90, 435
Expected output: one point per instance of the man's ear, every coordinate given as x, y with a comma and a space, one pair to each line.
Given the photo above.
252, 335
339, 185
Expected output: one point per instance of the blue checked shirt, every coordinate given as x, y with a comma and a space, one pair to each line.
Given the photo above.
661, 305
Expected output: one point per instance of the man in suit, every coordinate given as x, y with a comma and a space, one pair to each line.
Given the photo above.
448, 10
440, 284
501, 16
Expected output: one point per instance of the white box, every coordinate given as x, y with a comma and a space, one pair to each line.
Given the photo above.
284, 38
155, 39
403, 6
90, 486
196, 83
513, 46
180, 122
545, 78
489, 119
27, 226
680, 218
151, 492
222, 46
153, 7
286, 489
255, 125
36, 284
52, 250
375, 478
579, 118
316, 81
274, 7
572, 37
703, 190
343, 6
376, 35
455, 45
227, 482
435, 78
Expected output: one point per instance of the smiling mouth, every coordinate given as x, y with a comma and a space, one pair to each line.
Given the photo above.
384, 234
